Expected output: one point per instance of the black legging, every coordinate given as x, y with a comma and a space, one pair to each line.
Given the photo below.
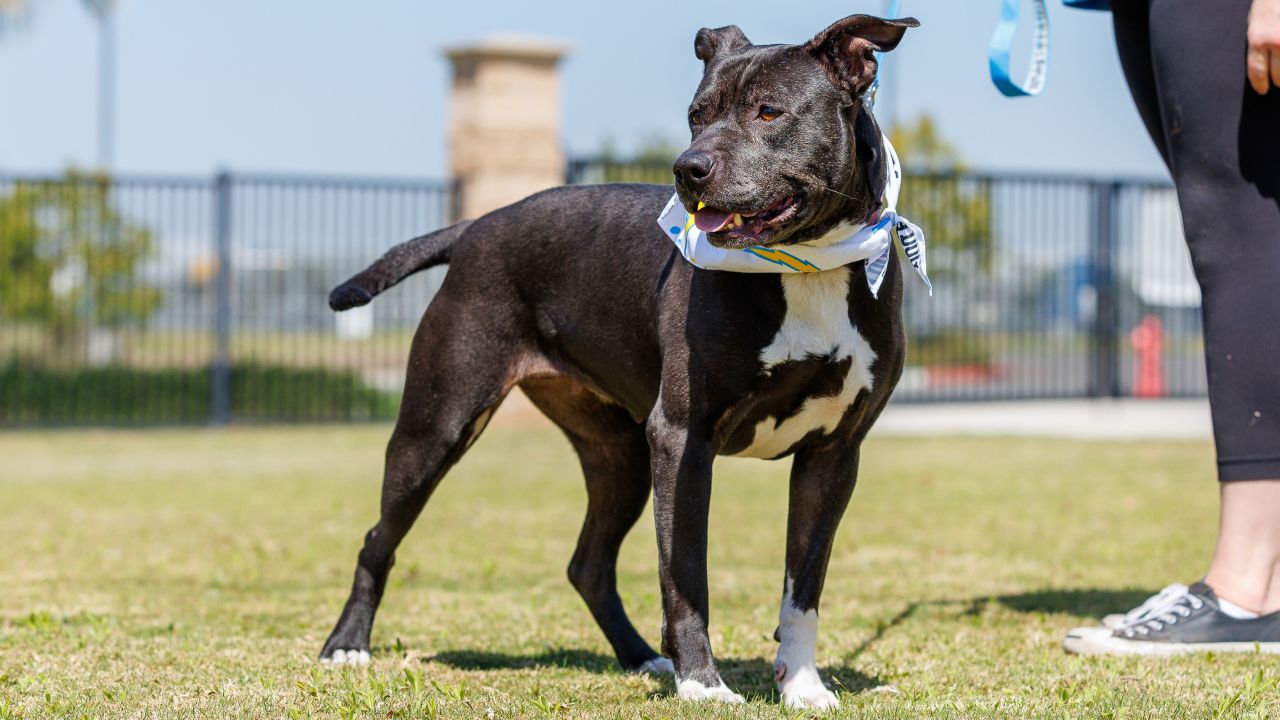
1185, 63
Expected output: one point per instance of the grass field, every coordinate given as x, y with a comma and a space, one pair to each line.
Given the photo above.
196, 573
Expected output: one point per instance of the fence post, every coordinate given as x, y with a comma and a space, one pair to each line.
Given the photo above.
220, 396
1104, 371
573, 171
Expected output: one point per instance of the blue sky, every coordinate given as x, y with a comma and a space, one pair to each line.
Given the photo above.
344, 87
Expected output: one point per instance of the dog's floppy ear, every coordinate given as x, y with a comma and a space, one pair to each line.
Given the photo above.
714, 41
846, 49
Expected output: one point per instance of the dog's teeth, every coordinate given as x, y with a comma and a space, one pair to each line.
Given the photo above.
737, 220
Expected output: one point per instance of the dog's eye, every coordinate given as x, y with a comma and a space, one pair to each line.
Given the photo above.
695, 117
769, 113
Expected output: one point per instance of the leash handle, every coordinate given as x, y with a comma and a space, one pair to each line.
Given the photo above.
1002, 45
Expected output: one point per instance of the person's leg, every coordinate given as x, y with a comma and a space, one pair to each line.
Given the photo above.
1246, 563
1185, 65
1224, 152
1133, 44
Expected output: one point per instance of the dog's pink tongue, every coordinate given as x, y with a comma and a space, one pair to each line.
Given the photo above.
710, 220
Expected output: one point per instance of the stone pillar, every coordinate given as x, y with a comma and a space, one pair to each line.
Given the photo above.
504, 130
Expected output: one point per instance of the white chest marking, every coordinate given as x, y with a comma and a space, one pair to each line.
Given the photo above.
816, 325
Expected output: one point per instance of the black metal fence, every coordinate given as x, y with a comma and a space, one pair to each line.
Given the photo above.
157, 300
153, 300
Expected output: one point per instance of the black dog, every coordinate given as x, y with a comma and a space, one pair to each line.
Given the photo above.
651, 366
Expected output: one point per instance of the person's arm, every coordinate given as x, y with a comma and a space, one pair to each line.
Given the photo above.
1263, 65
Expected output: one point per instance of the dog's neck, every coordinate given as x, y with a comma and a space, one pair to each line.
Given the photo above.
860, 194
867, 181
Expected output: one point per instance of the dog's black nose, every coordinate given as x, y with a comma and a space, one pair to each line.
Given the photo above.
693, 169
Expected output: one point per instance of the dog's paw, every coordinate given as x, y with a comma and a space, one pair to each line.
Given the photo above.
657, 666
694, 690
804, 690
347, 657
816, 698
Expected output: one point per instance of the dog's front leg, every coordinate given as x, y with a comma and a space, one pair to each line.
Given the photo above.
681, 463
822, 482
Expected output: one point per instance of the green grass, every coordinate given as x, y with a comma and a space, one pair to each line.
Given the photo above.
196, 573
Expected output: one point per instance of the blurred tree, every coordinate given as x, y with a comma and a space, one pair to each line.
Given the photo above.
69, 261
953, 210
649, 162
657, 149
922, 148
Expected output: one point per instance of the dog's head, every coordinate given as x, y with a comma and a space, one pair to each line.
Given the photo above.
783, 148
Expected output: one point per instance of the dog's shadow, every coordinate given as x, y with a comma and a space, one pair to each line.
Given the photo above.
1083, 602
752, 677
573, 658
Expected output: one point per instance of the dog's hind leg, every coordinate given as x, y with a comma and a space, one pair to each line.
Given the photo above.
459, 371
614, 454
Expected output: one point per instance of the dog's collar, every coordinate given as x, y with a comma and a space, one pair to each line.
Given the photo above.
844, 245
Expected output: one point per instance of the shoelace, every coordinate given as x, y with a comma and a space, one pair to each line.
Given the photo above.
1159, 600
1178, 606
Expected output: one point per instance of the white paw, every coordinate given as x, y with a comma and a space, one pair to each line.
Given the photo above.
347, 657
803, 689
658, 666
694, 690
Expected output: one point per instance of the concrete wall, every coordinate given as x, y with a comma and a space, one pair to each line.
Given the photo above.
504, 130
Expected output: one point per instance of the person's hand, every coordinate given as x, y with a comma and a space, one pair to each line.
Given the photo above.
1263, 65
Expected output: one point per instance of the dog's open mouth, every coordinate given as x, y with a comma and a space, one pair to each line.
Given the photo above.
739, 230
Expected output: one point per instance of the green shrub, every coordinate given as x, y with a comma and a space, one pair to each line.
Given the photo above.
948, 348
116, 395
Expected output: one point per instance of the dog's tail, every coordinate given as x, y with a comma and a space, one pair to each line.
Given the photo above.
397, 264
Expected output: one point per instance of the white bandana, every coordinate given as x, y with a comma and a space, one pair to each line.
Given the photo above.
871, 242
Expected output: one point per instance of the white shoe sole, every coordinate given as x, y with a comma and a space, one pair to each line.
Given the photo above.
1100, 641
1114, 621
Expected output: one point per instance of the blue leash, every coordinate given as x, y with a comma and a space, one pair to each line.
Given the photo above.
1001, 47
1002, 44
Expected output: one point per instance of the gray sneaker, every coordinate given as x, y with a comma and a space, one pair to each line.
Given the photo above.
1188, 622
1155, 602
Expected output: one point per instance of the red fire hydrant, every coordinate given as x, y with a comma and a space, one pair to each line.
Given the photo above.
1148, 345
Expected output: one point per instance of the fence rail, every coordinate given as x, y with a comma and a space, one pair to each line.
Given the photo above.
161, 300
146, 300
